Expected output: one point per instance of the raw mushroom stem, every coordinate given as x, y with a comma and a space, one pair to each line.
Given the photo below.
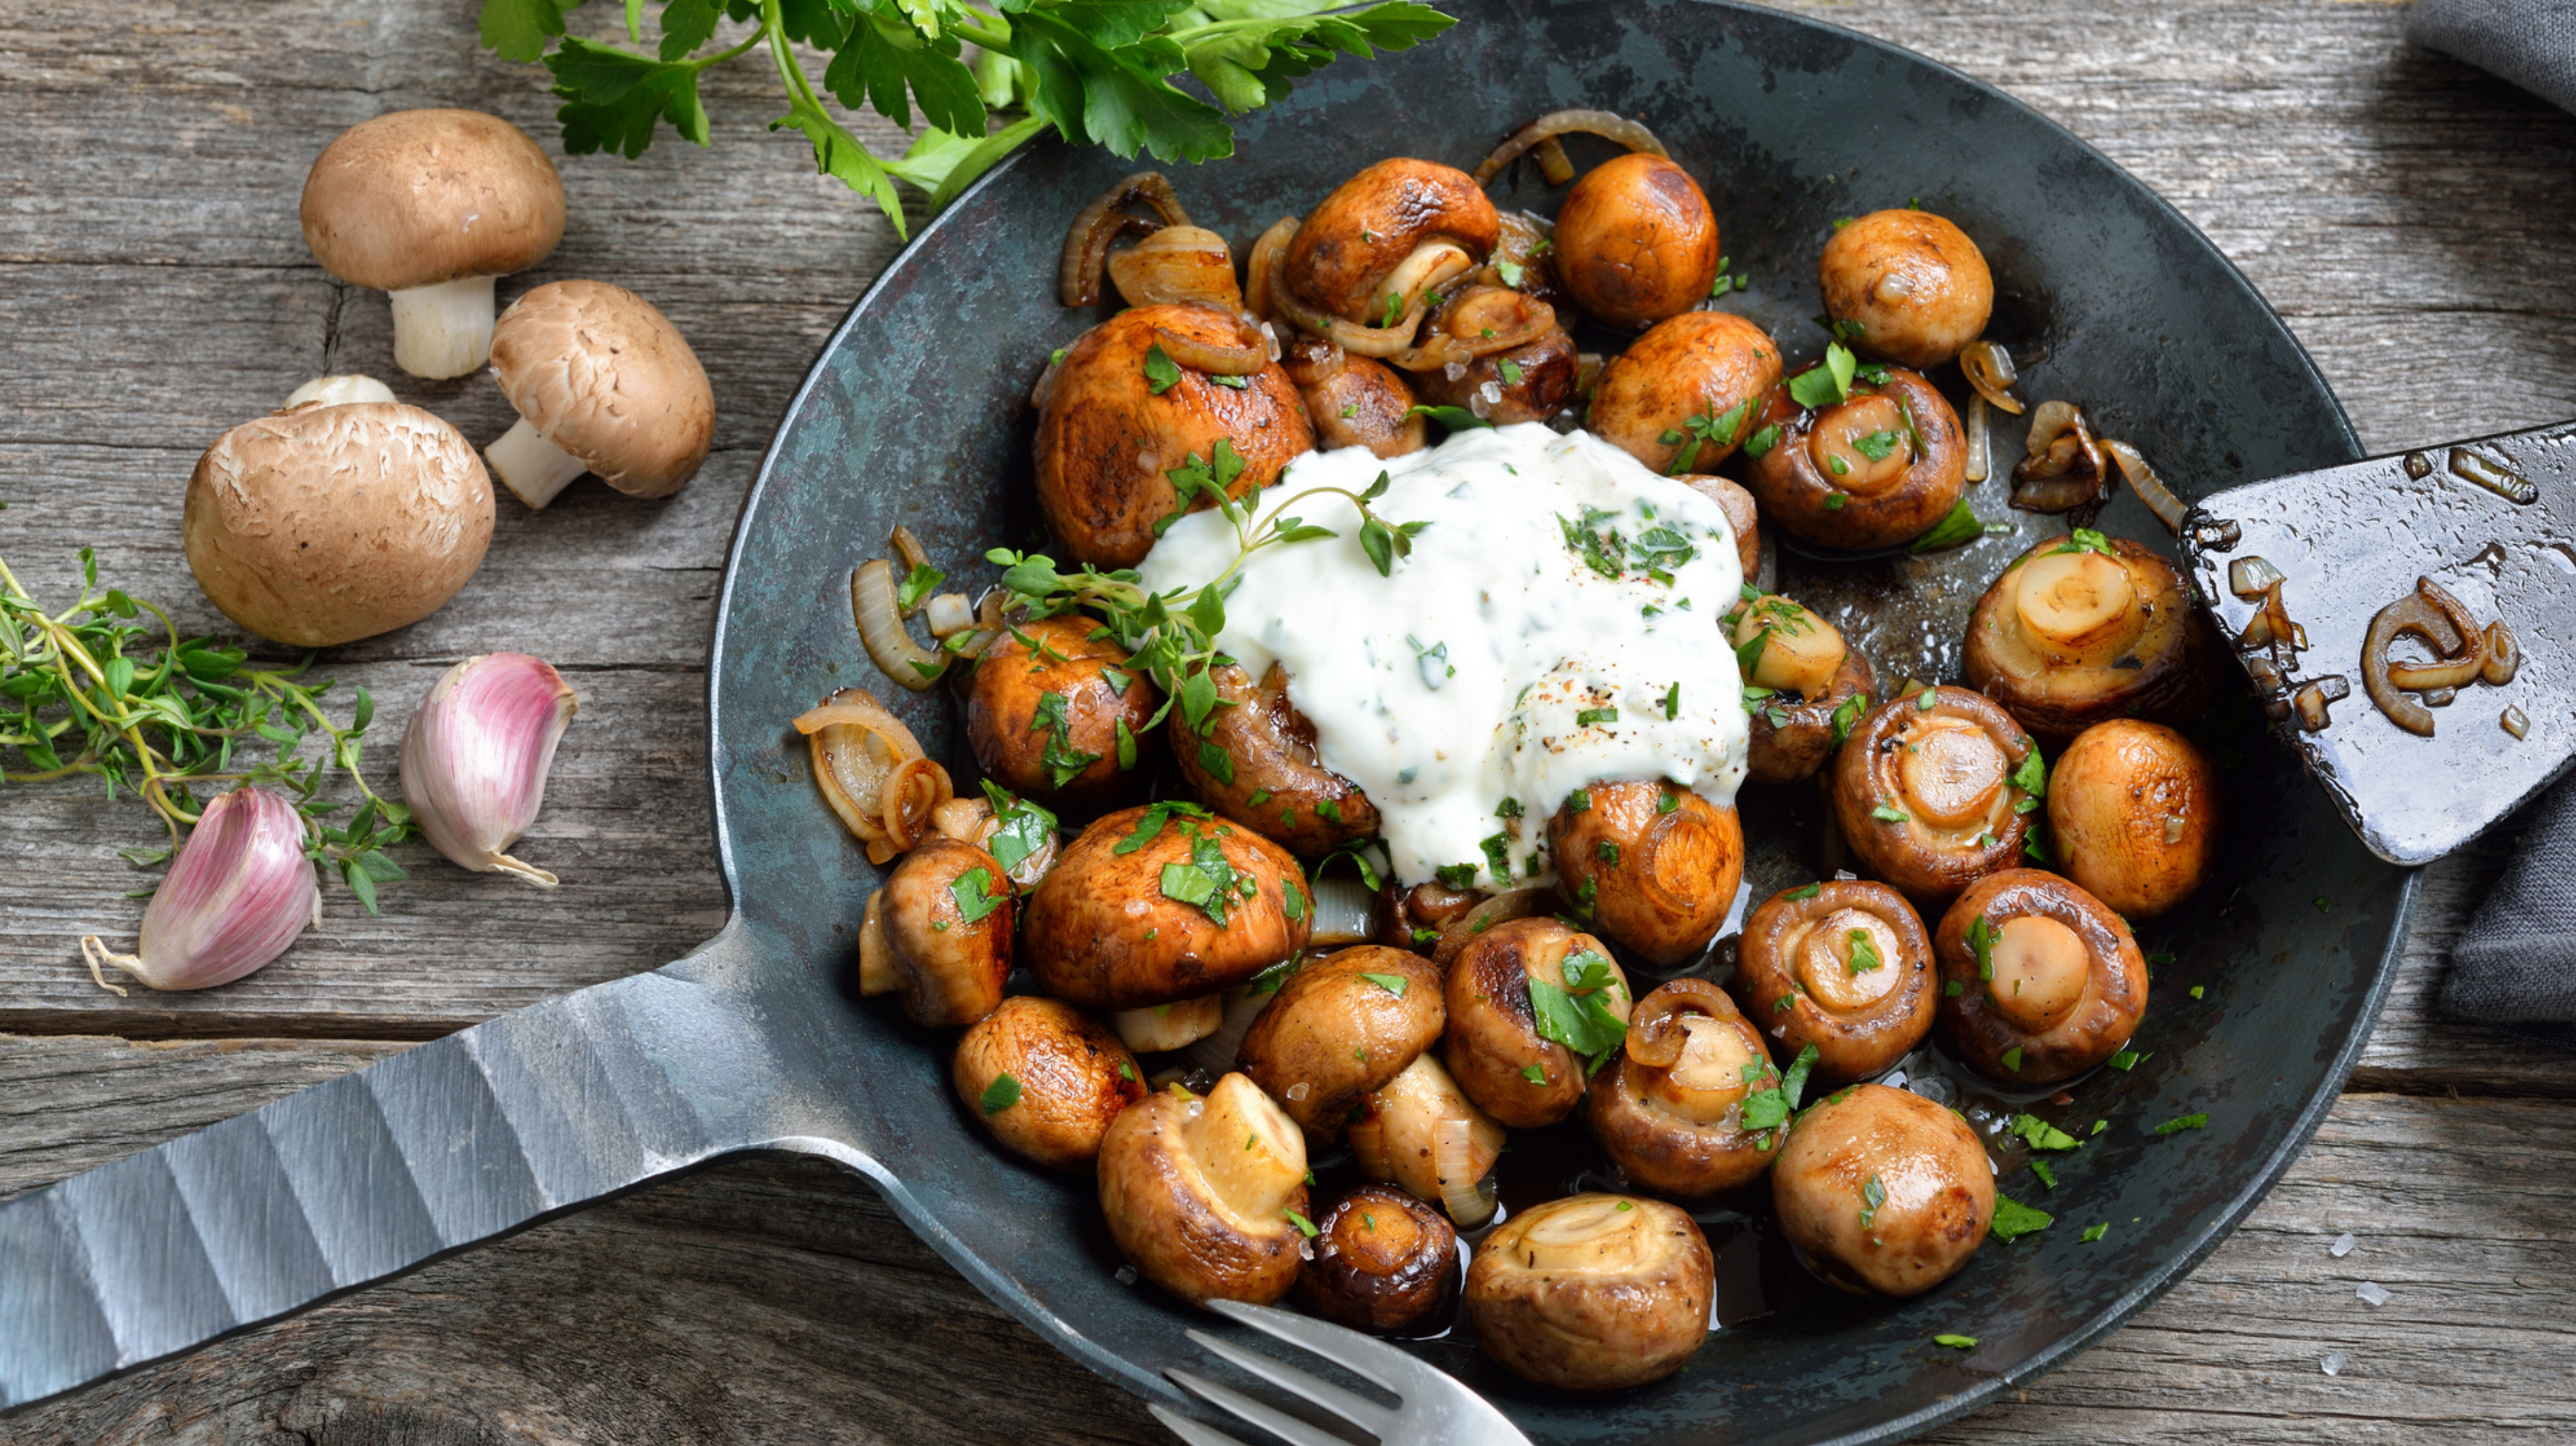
445, 329
532, 467
340, 390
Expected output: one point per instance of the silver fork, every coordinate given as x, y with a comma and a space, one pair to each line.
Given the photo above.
1433, 1408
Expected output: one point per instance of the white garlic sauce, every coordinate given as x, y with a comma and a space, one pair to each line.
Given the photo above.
1485, 667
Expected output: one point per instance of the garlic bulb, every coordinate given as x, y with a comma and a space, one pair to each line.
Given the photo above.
239, 892
474, 758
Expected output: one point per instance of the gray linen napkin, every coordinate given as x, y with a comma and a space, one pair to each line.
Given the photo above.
2529, 42
2512, 963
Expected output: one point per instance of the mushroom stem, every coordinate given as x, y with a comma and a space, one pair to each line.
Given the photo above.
533, 468
445, 329
339, 391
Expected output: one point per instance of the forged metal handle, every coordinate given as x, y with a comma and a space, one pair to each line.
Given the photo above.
371, 1174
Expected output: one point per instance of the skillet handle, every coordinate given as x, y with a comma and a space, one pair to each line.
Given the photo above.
369, 1175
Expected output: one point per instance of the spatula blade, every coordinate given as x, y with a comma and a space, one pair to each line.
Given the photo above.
2492, 521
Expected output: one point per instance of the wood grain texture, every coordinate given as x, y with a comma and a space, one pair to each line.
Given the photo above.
2400, 209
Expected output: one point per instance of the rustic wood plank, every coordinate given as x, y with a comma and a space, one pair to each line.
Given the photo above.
782, 1301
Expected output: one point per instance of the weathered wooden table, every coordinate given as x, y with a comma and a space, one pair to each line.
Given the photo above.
2405, 212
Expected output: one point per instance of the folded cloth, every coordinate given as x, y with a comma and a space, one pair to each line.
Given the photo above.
2529, 42
2516, 961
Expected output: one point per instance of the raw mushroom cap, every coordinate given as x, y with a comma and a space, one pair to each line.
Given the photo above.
605, 377
419, 197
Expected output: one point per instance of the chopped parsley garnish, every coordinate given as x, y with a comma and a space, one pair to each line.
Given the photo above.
1509, 370
1952, 989
1000, 1095
1498, 855
1608, 853
1217, 763
1292, 902
2181, 1123
1509, 270
1835, 501
1456, 419
1863, 955
1391, 983
2041, 1134
1762, 441
1508, 808
1127, 1070
1956, 1342
1575, 1015
2095, 1232
1961, 525
1827, 384
1585, 718
2012, 1059
1578, 801
1806, 892
2013, 1219
1161, 372
1456, 876
1149, 826
1673, 702
1720, 430
917, 585
2047, 1176
2196, 991
2031, 776
1846, 713
1207, 882
1886, 813
2126, 1059
974, 892
1667, 801
1981, 942
1026, 828
1872, 1195
1061, 759
1766, 1109
1304, 1226
1877, 445
1536, 1074
2085, 539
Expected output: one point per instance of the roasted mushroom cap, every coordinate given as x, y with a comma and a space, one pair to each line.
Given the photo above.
1423, 1133
1592, 1292
1383, 1261
1115, 424
1743, 518
1046, 1079
2133, 814
2084, 628
1881, 1190
1340, 1029
1353, 401
1197, 1192
1259, 746
1792, 732
1931, 797
1495, 1044
2051, 983
1110, 930
1636, 241
942, 934
1525, 260
1652, 864
1415, 916
1059, 715
1843, 965
1530, 382
1685, 396
1670, 1111
1384, 239
1906, 285
1883, 465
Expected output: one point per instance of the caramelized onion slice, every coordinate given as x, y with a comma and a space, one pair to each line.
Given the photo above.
911, 798
2419, 616
856, 747
1178, 264
2504, 654
1086, 244
2458, 669
1467, 1189
2064, 470
2151, 489
1981, 452
881, 629
1257, 266
1989, 368
1605, 124
1249, 354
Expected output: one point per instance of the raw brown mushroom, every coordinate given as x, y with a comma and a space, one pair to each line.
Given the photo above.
431, 205
2050, 982
602, 383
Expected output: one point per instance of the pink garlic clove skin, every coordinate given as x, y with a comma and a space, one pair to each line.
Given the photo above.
475, 757
237, 895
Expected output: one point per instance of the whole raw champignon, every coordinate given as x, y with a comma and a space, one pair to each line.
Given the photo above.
323, 524
603, 383
431, 205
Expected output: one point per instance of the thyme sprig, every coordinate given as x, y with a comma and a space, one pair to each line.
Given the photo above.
108, 689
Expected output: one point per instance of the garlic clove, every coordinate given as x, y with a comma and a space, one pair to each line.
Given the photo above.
475, 757
239, 892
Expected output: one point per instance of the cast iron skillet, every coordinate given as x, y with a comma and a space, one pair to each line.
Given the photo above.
917, 414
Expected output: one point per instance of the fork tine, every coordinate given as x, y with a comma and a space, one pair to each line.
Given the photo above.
1366, 1414
1373, 1359
1269, 1418
1191, 1431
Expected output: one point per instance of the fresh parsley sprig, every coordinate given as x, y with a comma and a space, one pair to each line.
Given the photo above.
96, 690
1095, 72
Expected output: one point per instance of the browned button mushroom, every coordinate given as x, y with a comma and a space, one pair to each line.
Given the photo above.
1906, 285
1592, 1292
1059, 715
1422, 1132
1109, 929
1528, 382
602, 383
1652, 864
1670, 1111
324, 524
1636, 241
1340, 1029
1684, 397
2133, 814
1880, 466
1742, 517
1415, 917
1376, 248
1258, 746
1384, 1261
2084, 628
1525, 260
1495, 1044
1845, 966
2050, 983
939, 932
1804, 687
1353, 401
1881, 1190
1046, 1079
431, 205
1930, 798
1115, 423
1198, 1191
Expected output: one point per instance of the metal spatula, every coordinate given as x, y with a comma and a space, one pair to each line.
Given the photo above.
2488, 527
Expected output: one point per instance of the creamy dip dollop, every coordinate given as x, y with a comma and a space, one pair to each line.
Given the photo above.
1501, 666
